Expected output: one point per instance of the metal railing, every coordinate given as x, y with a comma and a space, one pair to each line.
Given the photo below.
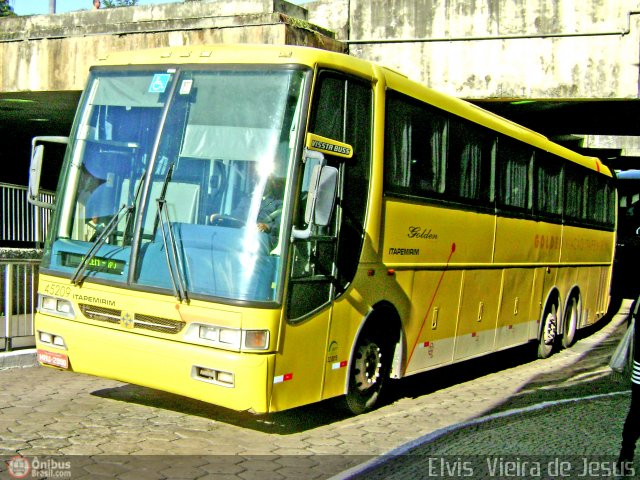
19, 220
21, 225
18, 291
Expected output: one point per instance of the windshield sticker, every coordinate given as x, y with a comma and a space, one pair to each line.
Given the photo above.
159, 83
185, 87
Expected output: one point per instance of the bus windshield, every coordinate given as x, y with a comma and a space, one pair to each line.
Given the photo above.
175, 179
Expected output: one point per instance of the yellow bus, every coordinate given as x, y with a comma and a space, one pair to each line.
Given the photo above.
263, 227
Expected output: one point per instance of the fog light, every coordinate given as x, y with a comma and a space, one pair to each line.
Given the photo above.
213, 376
207, 373
46, 337
52, 339
225, 377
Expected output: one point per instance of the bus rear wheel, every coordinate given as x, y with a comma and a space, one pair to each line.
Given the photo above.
570, 323
549, 331
370, 368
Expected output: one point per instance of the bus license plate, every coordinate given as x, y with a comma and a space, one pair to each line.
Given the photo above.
53, 358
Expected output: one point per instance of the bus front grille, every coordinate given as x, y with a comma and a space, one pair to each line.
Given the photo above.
158, 324
145, 322
101, 314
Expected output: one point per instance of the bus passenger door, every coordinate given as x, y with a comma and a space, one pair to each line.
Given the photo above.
299, 366
325, 264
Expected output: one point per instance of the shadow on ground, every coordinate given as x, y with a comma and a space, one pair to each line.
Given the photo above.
560, 384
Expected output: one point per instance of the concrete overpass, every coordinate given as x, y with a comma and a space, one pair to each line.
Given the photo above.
561, 67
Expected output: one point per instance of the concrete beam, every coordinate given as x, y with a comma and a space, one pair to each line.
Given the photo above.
148, 19
54, 52
500, 49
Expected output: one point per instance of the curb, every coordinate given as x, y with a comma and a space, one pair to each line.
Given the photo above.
18, 359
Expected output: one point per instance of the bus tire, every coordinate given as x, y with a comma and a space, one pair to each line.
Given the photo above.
370, 367
549, 331
570, 323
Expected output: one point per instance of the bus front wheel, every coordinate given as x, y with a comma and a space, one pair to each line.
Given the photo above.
370, 368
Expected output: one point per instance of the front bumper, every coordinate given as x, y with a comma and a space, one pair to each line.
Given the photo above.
172, 366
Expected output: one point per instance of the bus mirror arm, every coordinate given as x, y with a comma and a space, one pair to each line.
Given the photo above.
35, 168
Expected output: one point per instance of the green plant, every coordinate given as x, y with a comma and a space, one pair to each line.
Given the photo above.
119, 3
6, 10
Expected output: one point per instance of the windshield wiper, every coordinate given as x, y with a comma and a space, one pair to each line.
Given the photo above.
99, 241
173, 260
102, 236
128, 227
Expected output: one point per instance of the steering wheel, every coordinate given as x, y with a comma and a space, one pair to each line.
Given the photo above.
226, 221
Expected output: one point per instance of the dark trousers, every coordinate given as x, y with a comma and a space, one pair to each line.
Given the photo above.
631, 429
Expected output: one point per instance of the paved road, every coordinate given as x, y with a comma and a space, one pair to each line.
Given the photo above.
108, 429
577, 439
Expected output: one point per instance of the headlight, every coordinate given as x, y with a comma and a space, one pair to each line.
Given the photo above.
48, 303
223, 337
228, 338
209, 333
56, 306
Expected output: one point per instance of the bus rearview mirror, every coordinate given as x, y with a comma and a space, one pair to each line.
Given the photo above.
321, 195
323, 183
34, 173
35, 168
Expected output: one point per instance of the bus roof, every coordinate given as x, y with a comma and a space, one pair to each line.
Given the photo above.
488, 119
312, 57
239, 54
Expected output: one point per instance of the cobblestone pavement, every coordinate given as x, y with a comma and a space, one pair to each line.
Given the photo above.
108, 429
581, 436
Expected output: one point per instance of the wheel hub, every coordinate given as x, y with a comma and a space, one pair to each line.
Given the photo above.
549, 334
367, 366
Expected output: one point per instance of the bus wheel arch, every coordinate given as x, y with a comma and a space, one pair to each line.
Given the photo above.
372, 358
572, 317
549, 325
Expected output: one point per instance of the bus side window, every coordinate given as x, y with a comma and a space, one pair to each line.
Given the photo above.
470, 164
416, 145
548, 185
514, 175
574, 204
